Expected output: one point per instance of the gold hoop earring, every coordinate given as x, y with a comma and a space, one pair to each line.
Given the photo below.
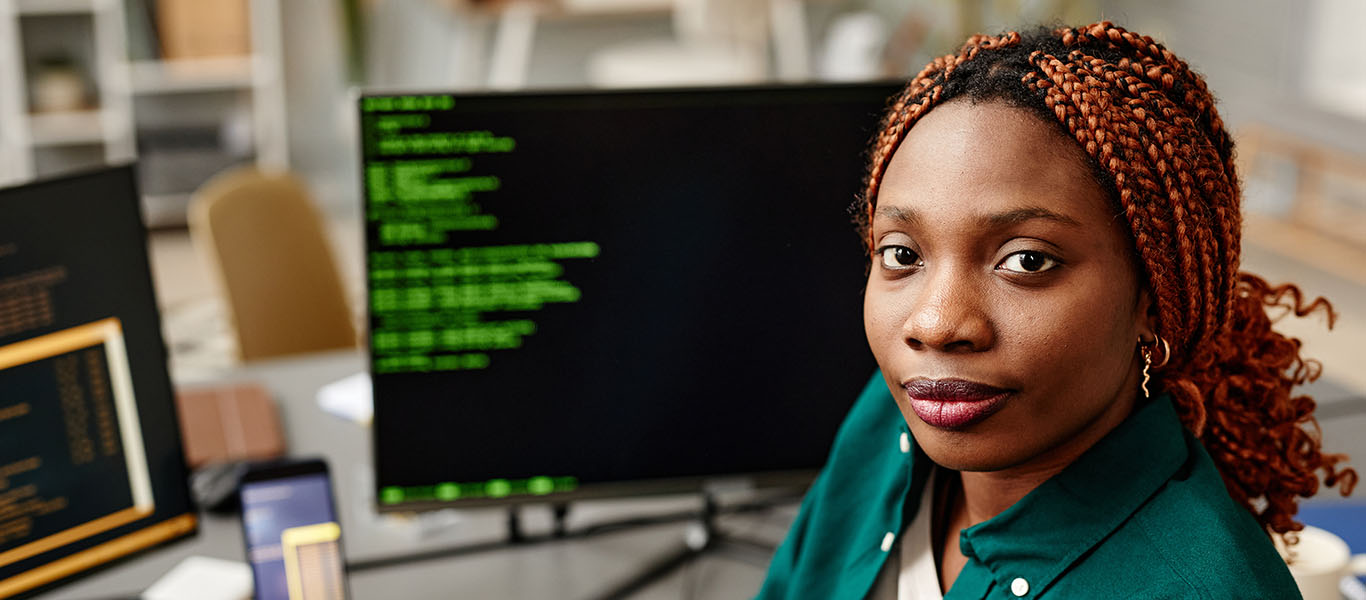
1166, 351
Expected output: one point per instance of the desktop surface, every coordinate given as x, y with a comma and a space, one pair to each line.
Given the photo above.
577, 568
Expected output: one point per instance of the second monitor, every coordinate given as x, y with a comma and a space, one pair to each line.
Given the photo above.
91, 469
585, 294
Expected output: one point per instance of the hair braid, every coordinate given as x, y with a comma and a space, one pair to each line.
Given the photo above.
921, 93
1211, 160
1157, 145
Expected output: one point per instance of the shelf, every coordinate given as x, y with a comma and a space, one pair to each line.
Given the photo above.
573, 9
67, 128
612, 7
191, 75
54, 7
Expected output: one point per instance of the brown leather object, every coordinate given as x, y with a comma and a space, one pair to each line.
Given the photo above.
228, 423
282, 287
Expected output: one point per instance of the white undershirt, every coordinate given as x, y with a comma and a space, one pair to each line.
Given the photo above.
919, 579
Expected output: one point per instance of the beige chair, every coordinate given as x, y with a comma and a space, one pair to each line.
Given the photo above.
278, 275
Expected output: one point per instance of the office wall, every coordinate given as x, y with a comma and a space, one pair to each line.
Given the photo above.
1255, 55
1253, 52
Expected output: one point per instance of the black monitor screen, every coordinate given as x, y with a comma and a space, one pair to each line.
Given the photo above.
576, 294
90, 462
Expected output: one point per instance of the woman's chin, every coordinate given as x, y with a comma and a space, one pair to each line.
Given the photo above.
971, 461
966, 450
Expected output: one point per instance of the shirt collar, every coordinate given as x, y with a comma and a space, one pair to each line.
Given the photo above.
1042, 535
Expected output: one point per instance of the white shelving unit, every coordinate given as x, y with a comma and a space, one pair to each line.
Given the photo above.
55, 7
191, 75
109, 125
120, 83
16, 158
71, 128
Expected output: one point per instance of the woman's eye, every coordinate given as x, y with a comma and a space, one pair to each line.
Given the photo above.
1028, 262
898, 257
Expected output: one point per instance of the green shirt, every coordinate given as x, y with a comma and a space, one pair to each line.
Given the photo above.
1142, 514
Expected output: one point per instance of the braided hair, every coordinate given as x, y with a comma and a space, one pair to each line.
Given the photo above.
1157, 147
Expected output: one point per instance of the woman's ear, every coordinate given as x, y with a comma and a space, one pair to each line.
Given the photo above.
1145, 315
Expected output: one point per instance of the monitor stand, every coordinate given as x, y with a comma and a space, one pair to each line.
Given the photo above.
703, 538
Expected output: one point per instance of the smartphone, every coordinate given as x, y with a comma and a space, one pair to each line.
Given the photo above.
292, 535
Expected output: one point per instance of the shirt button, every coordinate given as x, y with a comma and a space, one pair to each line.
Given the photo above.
905, 443
887, 541
1019, 587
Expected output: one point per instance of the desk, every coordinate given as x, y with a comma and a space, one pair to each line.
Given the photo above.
564, 569
572, 568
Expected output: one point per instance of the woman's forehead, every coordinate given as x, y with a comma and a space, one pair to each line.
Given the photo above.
971, 158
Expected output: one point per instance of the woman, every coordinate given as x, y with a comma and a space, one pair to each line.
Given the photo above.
1080, 394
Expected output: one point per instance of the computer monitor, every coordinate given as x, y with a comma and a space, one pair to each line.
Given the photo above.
580, 294
90, 461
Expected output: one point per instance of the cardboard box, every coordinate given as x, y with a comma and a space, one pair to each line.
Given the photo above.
203, 28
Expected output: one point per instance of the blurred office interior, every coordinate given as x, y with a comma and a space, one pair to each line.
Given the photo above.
190, 88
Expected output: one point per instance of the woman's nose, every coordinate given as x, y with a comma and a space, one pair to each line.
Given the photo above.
947, 314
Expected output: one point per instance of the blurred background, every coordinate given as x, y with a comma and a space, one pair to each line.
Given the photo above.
191, 87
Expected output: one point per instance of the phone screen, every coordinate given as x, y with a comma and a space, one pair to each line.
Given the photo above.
293, 538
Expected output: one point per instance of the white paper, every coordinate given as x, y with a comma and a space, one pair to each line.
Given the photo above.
349, 398
203, 578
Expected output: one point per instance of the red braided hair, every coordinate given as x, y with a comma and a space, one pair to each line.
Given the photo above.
1159, 149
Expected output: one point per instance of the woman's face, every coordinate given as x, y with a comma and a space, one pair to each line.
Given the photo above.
1003, 303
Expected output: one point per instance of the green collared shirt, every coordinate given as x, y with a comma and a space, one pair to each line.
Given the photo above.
1142, 514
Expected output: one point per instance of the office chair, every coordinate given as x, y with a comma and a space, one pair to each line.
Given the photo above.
280, 282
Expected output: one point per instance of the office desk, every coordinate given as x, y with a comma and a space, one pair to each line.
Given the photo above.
573, 568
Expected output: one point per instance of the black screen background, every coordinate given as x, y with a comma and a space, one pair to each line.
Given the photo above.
91, 225
720, 330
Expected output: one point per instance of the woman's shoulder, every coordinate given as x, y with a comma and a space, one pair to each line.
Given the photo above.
850, 517
1191, 540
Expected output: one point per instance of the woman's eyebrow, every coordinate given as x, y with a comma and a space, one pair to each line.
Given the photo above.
908, 216
1020, 215
905, 216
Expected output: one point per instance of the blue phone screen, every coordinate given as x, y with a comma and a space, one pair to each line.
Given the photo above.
293, 538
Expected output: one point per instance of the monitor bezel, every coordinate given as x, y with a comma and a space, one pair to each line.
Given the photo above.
796, 479
129, 168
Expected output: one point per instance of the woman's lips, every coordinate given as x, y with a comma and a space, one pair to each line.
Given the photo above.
954, 403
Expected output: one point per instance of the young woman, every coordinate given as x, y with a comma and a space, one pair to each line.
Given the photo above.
1081, 395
